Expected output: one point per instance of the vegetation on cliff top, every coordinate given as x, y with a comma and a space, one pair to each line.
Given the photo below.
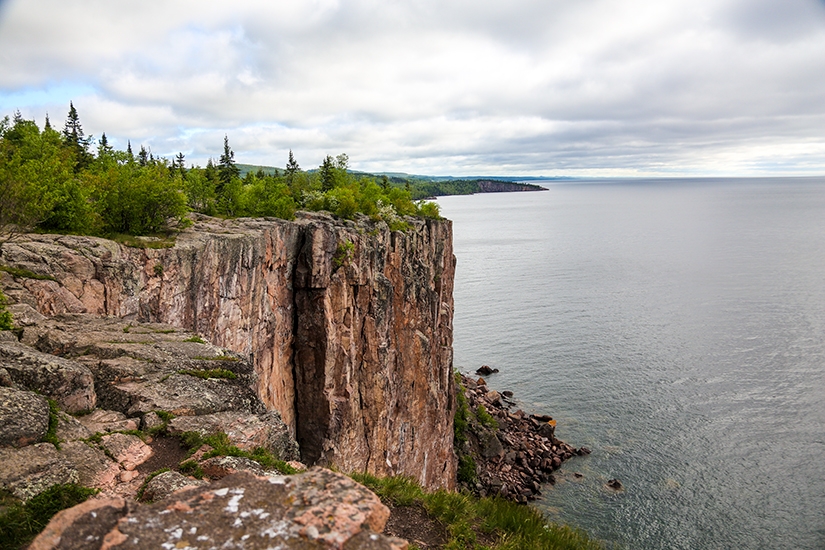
473, 523
55, 181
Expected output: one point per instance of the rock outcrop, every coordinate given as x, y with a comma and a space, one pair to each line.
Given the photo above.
318, 509
348, 326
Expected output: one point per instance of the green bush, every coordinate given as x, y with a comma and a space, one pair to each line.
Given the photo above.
6, 321
20, 523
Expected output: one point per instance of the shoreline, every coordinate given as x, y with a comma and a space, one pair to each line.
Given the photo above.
504, 453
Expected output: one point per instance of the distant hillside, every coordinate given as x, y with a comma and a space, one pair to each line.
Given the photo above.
431, 186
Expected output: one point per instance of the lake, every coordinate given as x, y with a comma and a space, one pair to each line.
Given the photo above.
674, 327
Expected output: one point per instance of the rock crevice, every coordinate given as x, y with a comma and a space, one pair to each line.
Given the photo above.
348, 325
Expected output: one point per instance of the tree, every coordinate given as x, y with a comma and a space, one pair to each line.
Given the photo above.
75, 141
143, 156
292, 168
226, 166
327, 171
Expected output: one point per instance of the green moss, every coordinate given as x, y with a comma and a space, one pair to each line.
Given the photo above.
221, 446
216, 358
25, 273
485, 418
466, 469
343, 254
191, 468
20, 523
51, 433
210, 373
461, 419
196, 339
6, 321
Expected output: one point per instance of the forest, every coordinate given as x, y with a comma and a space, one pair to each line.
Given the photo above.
63, 181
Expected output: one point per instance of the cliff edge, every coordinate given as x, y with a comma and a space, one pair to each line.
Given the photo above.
347, 324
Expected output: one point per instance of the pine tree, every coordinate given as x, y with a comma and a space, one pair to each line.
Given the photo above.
180, 162
143, 156
73, 139
226, 166
129, 150
327, 171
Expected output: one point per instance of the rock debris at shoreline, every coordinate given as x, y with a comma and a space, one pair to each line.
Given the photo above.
512, 453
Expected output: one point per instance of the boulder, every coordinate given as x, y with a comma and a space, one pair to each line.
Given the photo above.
70, 428
126, 449
163, 485
315, 510
246, 431
24, 417
102, 421
94, 468
219, 467
31, 470
68, 382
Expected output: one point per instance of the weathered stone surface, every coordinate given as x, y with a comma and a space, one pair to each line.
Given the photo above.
163, 485
31, 470
24, 417
219, 467
126, 449
138, 366
102, 421
368, 335
67, 382
94, 468
373, 343
150, 421
83, 526
70, 428
315, 510
244, 431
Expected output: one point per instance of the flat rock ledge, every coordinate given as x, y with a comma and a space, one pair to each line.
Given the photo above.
316, 509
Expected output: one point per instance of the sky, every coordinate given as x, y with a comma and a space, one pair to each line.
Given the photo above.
438, 87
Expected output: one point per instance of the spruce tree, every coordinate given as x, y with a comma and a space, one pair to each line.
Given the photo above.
327, 171
74, 139
143, 156
226, 166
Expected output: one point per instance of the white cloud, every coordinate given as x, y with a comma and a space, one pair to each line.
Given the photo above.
449, 86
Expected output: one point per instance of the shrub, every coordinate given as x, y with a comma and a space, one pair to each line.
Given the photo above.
20, 523
6, 322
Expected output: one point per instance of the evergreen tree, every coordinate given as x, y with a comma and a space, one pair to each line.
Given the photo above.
103, 147
292, 168
143, 156
48, 125
129, 152
327, 172
226, 166
74, 139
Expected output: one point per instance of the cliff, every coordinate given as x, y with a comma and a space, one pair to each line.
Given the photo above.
348, 325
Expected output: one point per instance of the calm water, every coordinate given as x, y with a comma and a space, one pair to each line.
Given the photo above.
677, 328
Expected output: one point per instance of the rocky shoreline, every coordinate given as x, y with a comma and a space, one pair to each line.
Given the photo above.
504, 452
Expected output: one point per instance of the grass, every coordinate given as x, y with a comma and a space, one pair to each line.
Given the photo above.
216, 358
485, 418
196, 339
221, 446
20, 523
25, 273
472, 523
51, 433
210, 373
136, 242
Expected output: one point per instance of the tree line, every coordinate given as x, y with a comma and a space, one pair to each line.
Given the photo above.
62, 181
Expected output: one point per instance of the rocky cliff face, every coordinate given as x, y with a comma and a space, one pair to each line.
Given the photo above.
349, 325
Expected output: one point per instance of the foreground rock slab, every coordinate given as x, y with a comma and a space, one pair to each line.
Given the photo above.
318, 509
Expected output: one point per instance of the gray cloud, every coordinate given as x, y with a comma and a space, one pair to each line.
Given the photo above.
464, 87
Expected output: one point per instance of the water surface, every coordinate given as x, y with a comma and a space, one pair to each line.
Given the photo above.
676, 328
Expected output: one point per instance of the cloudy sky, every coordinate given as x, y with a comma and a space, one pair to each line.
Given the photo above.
461, 87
